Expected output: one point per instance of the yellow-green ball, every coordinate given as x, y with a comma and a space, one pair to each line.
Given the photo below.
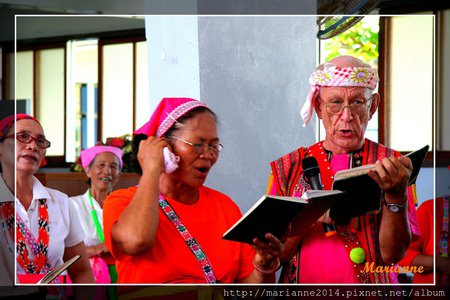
357, 255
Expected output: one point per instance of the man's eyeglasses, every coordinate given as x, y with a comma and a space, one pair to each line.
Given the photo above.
358, 106
200, 148
24, 137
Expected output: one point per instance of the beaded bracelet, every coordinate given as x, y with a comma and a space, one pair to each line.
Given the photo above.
274, 269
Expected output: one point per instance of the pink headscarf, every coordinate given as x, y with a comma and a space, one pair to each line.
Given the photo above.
336, 76
7, 123
166, 114
89, 154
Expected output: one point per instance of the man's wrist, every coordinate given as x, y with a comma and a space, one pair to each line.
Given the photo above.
395, 207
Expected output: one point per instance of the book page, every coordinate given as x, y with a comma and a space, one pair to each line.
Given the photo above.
50, 276
416, 157
284, 198
311, 194
353, 172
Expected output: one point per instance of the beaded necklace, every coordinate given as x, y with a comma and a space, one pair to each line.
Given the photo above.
443, 243
193, 245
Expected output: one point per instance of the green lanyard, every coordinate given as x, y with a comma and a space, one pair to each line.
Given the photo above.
98, 227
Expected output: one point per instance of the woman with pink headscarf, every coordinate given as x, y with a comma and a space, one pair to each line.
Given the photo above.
48, 231
168, 228
103, 165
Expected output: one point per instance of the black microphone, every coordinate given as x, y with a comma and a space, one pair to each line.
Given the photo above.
311, 173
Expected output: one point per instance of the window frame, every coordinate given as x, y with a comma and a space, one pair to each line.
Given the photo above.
106, 38
56, 160
440, 157
102, 42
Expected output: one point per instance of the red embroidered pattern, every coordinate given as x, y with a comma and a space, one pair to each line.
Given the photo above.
28, 246
443, 278
288, 173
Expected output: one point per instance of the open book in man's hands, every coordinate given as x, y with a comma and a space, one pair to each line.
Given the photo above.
50, 276
363, 194
354, 194
272, 214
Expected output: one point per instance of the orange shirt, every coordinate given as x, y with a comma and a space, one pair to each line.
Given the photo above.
428, 237
171, 260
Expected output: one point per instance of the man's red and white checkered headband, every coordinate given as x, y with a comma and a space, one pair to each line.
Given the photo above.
335, 76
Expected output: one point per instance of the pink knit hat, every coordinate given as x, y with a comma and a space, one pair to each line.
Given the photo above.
165, 115
89, 154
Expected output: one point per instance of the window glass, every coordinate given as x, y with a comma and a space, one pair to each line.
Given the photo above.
24, 84
9, 80
65, 84
410, 76
82, 100
50, 80
117, 91
142, 101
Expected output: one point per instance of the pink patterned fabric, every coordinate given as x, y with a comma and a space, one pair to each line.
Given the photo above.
335, 259
100, 270
166, 114
89, 154
335, 76
325, 259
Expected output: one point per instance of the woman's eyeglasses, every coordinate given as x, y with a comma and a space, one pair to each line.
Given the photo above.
26, 138
200, 148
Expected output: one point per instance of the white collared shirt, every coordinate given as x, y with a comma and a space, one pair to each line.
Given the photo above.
83, 208
64, 225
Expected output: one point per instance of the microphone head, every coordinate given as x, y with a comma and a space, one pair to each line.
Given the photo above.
310, 167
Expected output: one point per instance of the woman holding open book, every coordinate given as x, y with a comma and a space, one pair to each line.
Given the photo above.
342, 94
48, 230
168, 228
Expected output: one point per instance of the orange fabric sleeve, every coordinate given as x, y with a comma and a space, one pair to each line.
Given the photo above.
171, 260
425, 220
114, 205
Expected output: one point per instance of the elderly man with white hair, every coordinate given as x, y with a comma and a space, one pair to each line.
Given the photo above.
342, 94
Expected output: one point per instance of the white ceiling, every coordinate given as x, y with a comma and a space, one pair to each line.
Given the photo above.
49, 27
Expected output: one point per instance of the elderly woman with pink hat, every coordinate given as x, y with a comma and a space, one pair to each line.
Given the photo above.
48, 231
168, 228
103, 165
